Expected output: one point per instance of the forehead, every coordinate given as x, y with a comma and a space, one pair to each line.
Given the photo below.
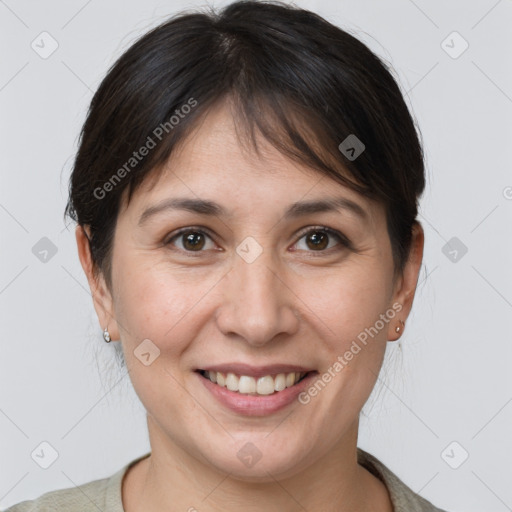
215, 164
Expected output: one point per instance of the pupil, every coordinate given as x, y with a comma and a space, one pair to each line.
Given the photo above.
319, 239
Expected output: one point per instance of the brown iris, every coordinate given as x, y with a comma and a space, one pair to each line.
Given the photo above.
193, 240
319, 239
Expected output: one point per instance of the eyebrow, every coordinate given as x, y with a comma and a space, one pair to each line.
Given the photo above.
295, 210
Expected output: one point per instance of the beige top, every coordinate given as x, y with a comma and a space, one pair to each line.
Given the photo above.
105, 494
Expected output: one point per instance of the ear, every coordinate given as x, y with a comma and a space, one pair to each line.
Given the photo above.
405, 286
102, 299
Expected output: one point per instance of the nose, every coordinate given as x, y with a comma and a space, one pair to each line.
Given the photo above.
258, 304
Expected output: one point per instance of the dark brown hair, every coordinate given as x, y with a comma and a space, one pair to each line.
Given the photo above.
303, 82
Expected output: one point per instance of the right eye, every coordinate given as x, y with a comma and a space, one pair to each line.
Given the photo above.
192, 239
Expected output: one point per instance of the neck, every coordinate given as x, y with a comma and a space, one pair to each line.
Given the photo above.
172, 479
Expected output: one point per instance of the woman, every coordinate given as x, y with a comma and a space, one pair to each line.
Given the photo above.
246, 192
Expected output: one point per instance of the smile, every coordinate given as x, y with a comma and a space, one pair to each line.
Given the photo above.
247, 385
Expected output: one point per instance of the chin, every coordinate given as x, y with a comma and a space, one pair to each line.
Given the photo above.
252, 466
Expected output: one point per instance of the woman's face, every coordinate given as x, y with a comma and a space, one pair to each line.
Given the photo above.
251, 286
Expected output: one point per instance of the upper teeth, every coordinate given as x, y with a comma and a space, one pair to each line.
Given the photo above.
263, 386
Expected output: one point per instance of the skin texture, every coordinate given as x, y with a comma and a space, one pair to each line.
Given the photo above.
294, 304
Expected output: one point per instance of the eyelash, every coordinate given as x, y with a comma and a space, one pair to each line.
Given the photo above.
344, 241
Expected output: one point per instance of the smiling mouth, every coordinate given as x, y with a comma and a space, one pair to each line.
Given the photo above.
262, 386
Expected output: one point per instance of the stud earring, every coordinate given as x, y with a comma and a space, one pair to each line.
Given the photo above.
106, 336
398, 328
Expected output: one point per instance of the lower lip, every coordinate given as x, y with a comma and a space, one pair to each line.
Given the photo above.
252, 405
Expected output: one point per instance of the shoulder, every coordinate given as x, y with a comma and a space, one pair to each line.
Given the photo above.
89, 496
103, 494
403, 498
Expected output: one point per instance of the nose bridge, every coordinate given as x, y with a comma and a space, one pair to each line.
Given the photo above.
257, 306
259, 281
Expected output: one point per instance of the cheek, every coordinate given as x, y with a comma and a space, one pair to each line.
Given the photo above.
160, 303
348, 301
153, 305
347, 308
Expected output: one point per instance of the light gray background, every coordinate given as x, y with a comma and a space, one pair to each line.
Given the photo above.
452, 381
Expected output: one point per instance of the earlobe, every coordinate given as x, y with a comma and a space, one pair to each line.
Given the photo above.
396, 327
102, 299
400, 328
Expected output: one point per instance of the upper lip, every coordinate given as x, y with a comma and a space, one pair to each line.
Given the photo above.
256, 371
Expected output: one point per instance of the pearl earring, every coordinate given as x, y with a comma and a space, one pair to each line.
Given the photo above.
398, 328
106, 336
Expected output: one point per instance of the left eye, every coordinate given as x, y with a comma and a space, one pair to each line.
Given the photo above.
317, 239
